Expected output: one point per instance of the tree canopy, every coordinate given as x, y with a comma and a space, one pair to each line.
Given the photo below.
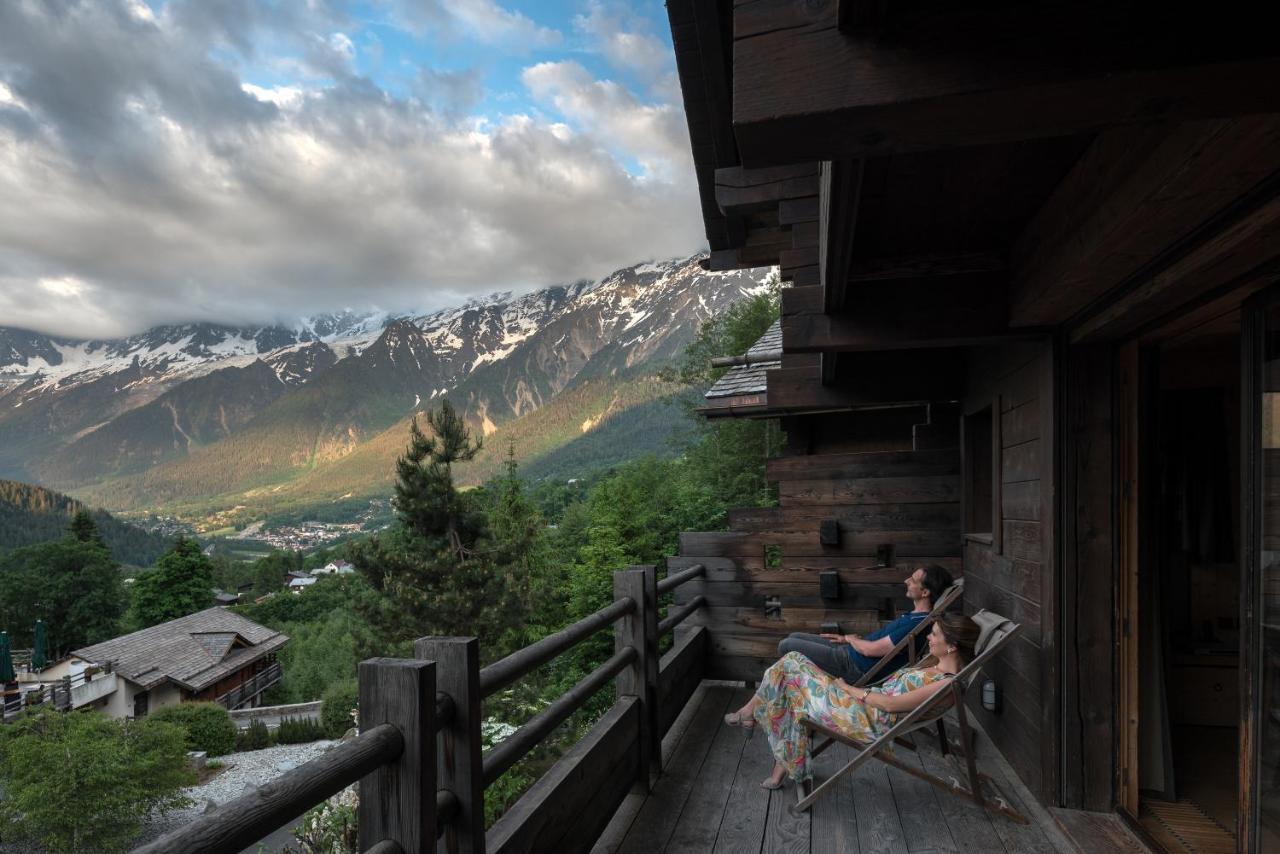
181, 583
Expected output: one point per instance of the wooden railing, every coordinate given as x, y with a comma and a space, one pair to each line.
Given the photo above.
55, 692
420, 734
252, 687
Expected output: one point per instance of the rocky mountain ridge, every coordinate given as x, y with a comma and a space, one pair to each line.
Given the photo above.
207, 407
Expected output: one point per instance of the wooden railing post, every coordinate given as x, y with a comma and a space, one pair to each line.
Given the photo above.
397, 801
461, 757
639, 630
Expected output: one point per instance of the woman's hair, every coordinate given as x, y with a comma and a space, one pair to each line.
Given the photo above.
961, 632
936, 581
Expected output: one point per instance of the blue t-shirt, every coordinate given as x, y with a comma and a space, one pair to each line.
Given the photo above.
895, 631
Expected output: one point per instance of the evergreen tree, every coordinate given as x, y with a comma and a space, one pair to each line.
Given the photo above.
427, 575
84, 529
73, 586
180, 584
426, 500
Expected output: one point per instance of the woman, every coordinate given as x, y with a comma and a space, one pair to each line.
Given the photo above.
794, 686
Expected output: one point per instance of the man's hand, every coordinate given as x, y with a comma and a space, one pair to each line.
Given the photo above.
849, 639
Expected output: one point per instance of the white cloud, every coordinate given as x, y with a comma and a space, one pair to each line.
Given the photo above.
147, 183
483, 20
655, 134
625, 41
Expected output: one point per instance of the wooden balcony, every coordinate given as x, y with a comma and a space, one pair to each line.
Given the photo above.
709, 799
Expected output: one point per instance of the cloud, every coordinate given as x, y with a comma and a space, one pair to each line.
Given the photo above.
655, 134
143, 182
483, 20
625, 41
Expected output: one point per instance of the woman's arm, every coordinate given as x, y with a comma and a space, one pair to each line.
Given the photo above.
902, 702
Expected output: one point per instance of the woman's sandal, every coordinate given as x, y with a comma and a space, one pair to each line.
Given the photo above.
772, 786
746, 722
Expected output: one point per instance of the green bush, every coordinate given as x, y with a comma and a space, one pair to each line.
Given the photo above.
84, 782
255, 737
208, 726
299, 731
336, 705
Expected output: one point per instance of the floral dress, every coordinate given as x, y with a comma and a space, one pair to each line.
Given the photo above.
794, 686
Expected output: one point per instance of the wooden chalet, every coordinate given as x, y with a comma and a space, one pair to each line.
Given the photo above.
1031, 333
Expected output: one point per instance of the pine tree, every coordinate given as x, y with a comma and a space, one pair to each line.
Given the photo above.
428, 573
426, 500
84, 529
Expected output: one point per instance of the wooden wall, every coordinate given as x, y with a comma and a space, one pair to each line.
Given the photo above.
1012, 572
860, 469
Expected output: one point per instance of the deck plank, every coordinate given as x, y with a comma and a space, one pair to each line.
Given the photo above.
699, 821
879, 828
742, 828
923, 821
835, 822
786, 832
656, 820
972, 827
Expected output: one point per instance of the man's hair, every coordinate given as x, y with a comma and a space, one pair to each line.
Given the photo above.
936, 581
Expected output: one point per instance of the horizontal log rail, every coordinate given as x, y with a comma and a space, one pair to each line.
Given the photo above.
679, 615
502, 673
515, 747
671, 582
238, 824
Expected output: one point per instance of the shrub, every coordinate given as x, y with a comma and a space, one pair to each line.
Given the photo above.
330, 827
83, 782
336, 706
213, 764
208, 726
299, 730
255, 737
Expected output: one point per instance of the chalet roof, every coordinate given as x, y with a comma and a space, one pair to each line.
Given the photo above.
750, 379
194, 651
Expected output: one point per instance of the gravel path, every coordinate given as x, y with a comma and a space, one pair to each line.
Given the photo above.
243, 771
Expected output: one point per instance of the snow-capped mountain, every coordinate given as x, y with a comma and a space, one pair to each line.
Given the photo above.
269, 399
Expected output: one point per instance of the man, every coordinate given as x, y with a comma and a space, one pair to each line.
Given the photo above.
847, 657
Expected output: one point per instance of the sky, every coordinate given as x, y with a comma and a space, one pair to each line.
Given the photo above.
253, 161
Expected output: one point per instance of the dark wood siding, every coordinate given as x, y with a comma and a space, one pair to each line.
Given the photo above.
861, 470
1013, 574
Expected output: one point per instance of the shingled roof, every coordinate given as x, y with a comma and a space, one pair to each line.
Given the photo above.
750, 379
194, 651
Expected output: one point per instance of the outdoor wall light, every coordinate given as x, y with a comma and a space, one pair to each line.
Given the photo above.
991, 696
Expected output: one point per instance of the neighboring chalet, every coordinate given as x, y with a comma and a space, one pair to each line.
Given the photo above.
1031, 333
211, 655
335, 567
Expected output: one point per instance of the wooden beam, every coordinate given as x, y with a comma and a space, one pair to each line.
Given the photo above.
803, 90
907, 316
839, 192
1243, 242
1135, 193
740, 191
869, 379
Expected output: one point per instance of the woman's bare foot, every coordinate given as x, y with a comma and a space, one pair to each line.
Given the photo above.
775, 779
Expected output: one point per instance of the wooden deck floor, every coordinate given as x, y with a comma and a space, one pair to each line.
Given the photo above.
709, 800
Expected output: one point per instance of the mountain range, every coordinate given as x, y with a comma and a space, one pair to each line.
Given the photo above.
225, 425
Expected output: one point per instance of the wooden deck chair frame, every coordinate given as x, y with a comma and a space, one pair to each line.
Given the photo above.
918, 718
908, 641
950, 595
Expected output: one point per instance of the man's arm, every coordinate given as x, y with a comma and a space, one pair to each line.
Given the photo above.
871, 648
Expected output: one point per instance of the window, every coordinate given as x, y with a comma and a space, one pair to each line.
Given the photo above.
979, 495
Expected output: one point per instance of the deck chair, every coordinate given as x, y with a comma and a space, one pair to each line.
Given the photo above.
879, 672
909, 641
996, 632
